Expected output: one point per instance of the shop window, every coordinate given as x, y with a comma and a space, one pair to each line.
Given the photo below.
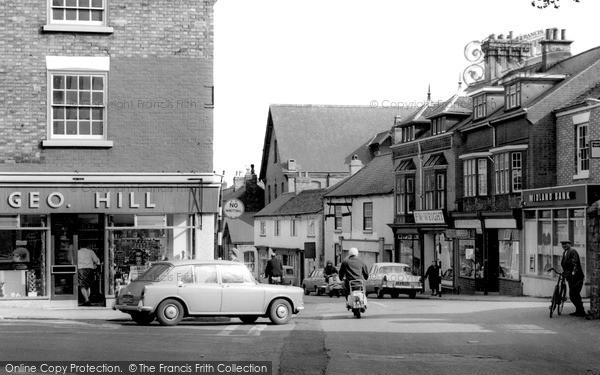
509, 248
410, 252
469, 265
23, 249
544, 229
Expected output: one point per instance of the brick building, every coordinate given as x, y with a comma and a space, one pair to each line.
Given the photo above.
510, 157
106, 116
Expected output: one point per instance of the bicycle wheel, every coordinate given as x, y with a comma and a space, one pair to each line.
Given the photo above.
563, 297
555, 297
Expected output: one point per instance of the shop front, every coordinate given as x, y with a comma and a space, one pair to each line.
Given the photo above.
420, 243
550, 216
128, 221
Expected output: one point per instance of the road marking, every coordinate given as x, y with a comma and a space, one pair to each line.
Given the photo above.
526, 328
227, 330
257, 329
378, 304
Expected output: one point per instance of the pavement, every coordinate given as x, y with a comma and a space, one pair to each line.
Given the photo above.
107, 313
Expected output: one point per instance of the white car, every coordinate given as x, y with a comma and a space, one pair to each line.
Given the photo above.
172, 290
393, 279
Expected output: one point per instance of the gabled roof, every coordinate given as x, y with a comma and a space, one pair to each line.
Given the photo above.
323, 138
305, 202
241, 230
376, 178
420, 115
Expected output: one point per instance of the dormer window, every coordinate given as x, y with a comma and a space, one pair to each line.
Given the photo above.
512, 95
438, 125
479, 107
408, 134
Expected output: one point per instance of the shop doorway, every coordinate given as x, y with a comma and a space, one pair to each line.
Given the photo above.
69, 233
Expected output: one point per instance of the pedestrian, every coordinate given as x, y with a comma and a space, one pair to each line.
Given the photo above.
571, 266
274, 269
352, 268
87, 260
433, 275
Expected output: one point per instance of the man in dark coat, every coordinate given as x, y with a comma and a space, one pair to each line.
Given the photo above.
329, 270
433, 274
352, 268
274, 269
572, 271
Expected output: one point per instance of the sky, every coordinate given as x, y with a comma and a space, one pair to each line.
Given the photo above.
349, 52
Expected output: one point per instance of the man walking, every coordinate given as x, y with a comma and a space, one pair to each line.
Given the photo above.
572, 271
274, 269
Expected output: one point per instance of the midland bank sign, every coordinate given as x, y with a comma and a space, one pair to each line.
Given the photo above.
107, 199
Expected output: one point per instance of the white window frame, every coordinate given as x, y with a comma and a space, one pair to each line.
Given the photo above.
482, 177
440, 191
516, 161
470, 177
76, 66
310, 228
263, 228
85, 26
582, 142
338, 218
479, 106
277, 228
513, 95
367, 219
508, 168
294, 227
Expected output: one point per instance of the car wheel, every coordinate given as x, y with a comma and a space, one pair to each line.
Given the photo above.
280, 311
379, 293
169, 312
412, 295
248, 319
142, 318
318, 291
306, 291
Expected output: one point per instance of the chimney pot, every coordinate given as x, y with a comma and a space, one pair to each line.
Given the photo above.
555, 33
548, 34
563, 34
501, 36
510, 35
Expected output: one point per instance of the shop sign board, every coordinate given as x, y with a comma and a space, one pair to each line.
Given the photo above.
106, 199
570, 195
595, 149
233, 208
429, 217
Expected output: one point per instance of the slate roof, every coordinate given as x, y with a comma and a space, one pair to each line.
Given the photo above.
419, 115
323, 138
305, 202
455, 105
241, 230
593, 92
375, 178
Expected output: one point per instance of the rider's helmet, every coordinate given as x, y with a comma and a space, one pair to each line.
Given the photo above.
353, 252
329, 263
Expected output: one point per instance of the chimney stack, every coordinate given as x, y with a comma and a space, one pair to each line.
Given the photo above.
501, 55
355, 165
555, 48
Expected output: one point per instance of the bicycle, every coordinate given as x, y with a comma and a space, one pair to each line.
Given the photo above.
560, 293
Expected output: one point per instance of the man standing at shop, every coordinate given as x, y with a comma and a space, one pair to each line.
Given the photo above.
572, 271
86, 265
274, 269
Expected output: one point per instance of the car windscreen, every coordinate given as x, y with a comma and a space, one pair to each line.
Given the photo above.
394, 269
155, 273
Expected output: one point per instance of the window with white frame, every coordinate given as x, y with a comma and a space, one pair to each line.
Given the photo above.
368, 216
408, 134
263, 228
479, 107
405, 193
338, 218
482, 176
513, 95
310, 230
294, 227
470, 177
277, 228
77, 16
439, 125
440, 191
429, 191
435, 191
583, 149
77, 109
508, 172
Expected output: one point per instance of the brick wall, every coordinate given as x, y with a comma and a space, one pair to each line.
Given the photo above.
159, 88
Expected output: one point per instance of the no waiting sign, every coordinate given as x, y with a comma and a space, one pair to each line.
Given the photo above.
233, 208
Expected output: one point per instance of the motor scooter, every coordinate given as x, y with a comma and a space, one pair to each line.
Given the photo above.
357, 298
334, 286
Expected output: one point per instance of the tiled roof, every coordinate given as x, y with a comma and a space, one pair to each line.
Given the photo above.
241, 230
592, 93
456, 104
305, 202
420, 115
323, 138
376, 178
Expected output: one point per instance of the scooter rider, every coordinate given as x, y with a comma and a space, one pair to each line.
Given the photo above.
353, 268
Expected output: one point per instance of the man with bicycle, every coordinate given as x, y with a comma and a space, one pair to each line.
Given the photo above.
572, 271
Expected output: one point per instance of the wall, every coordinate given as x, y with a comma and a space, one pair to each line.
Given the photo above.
159, 88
